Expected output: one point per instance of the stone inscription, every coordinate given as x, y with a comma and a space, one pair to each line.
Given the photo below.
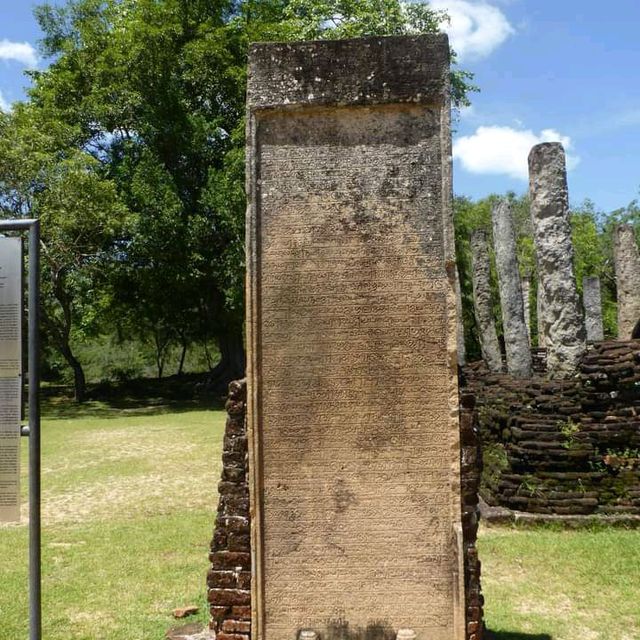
10, 377
357, 448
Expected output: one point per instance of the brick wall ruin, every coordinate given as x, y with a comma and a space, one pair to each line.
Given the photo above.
229, 578
471, 471
563, 447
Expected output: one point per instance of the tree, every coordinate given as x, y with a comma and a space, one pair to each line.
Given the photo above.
43, 175
154, 90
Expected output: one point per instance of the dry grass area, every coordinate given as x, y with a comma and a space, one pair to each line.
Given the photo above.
128, 507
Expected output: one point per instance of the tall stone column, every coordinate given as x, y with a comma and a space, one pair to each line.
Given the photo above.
525, 284
592, 300
462, 351
542, 333
481, 274
515, 330
561, 311
627, 263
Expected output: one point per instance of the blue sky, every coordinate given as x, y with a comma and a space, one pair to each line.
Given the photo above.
548, 70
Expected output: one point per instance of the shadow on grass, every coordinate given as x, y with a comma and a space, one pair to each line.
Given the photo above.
66, 408
137, 397
515, 635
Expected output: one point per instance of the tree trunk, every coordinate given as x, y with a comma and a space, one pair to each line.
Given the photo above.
232, 359
79, 380
207, 355
61, 332
161, 345
183, 355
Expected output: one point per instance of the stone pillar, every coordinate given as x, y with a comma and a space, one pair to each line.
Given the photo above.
526, 304
482, 304
462, 351
627, 264
542, 333
561, 311
515, 330
592, 300
351, 311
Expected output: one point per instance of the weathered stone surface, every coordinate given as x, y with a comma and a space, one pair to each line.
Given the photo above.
542, 332
561, 312
525, 285
516, 341
627, 264
462, 352
482, 302
184, 612
354, 432
592, 300
231, 548
235, 619
564, 447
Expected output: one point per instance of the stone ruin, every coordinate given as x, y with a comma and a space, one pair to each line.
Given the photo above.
627, 264
342, 513
229, 577
560, 312
563, 447
348, 500
481, 278
512, 305
561, 432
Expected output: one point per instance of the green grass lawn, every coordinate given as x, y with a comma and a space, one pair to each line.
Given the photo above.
546, 583
128, 508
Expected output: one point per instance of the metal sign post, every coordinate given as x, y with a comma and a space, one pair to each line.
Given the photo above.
32, 430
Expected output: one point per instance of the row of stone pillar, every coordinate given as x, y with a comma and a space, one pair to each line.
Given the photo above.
627, 264
563, 329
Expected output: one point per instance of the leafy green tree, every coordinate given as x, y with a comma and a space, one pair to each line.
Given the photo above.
43, 175
154, 90
589, 257
157, 90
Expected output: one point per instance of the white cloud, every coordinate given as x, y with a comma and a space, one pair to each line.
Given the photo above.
475, 29
4, 104
504, 150
19, 52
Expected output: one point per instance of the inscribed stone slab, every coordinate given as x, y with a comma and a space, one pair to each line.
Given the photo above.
352, 332
10, 377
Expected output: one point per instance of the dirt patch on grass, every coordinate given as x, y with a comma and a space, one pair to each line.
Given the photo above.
128, 497
103, 447
557, 607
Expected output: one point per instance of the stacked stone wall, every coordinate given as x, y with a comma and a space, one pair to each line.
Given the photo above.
564, 447
471, 471
229, 578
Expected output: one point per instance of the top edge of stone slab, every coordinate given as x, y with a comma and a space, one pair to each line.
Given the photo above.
358, 71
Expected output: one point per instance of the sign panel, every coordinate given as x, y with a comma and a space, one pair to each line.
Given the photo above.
10, 376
